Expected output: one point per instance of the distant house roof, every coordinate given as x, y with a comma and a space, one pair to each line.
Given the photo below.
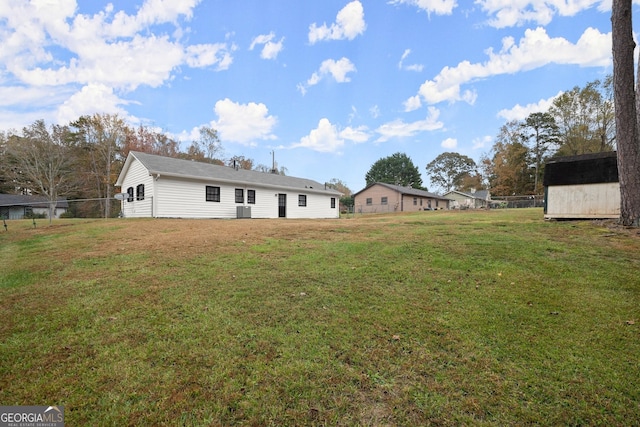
479, 194
7, 200
188, 169
405, 190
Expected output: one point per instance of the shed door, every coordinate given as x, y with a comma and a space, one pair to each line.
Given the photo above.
282, 205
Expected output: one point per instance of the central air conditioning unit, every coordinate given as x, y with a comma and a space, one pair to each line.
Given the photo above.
243, 212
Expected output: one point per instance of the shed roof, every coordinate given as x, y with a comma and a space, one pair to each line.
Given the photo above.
405, 190
188, 169
589, 168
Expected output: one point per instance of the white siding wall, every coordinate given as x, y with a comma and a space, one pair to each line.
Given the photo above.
180, 198
584, 201
318, 206
136, 175
170, 197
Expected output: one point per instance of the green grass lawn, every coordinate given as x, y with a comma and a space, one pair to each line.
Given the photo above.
443, 318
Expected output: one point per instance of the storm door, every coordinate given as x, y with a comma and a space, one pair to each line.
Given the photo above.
282, 205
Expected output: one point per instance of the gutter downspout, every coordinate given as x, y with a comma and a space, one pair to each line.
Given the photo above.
154, 208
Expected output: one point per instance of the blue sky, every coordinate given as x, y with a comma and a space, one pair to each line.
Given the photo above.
330, 86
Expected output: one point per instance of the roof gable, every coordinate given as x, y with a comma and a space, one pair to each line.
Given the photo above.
188, 169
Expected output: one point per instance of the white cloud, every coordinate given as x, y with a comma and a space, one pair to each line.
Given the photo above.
29, 96
375, 111
336, 69
91, 99
101, 53
449, 143
243, 123
509, 13
536, 49
349, 24
325, 138
204, 55
413, 67
412, 103
358, 135
400, 129
439, 7
482, 142
519, 112
270, 49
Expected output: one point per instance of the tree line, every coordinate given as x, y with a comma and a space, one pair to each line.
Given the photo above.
82, 160
579, 121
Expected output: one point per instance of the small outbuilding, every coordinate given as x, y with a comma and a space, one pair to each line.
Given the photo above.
582, 187
166, 187
381, 197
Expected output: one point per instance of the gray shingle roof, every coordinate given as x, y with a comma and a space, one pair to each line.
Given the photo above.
33, 201
189, 169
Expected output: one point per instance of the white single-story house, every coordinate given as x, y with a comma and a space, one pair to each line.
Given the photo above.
381, 197
165, 187
582, 187
18, 206
473, 200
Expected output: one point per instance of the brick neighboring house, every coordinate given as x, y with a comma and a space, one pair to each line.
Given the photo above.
474, 200
381, 197
17, 206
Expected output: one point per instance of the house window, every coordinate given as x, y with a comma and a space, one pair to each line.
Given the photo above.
383, 200
130, 194
251, 197
436, 203
239, 195
140, 192
333, 203
420, 202
369, 201
212, 194
415, 201
302, 200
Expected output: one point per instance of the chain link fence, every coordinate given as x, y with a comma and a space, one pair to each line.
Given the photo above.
508, 202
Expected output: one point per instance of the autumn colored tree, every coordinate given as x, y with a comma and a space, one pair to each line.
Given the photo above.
507, 167
240, 162
585, 119
99, 140
149, 140
206, 148
41, 162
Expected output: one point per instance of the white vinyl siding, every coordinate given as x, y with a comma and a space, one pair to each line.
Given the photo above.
167, 196
138, 175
